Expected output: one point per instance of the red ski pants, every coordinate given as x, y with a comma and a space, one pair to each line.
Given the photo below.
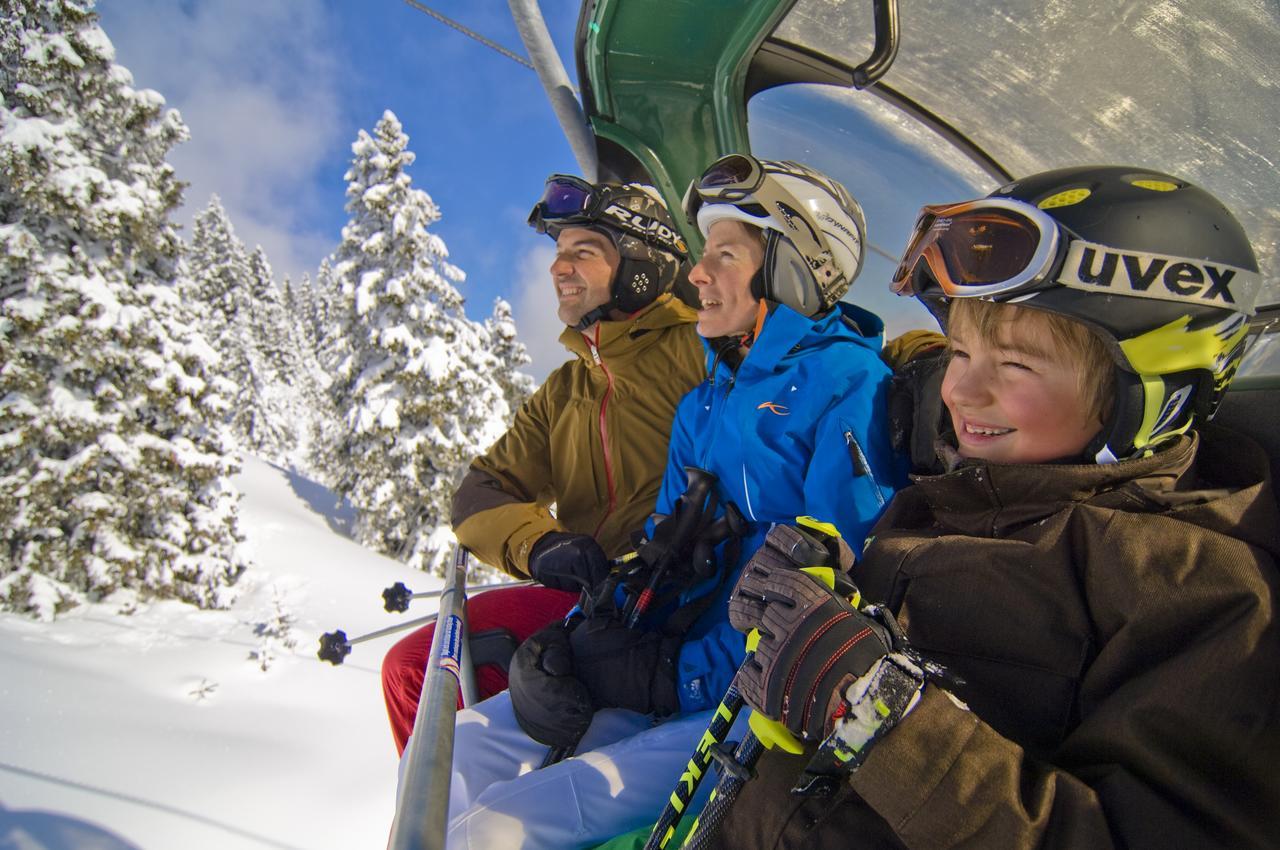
520, 610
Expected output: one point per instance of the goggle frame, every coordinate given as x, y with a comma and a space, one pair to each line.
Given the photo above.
1037, 270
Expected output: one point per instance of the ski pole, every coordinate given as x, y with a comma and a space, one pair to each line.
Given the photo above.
765, 734
422, 808
712, 739
336, 646
396, 598
688, 518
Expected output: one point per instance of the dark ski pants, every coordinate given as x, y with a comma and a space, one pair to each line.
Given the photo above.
519, 610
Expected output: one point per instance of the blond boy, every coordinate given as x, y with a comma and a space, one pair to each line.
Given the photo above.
1093, 565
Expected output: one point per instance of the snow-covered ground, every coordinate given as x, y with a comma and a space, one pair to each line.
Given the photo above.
155, 730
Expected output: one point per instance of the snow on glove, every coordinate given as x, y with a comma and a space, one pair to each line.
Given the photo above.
813, 643
564, 561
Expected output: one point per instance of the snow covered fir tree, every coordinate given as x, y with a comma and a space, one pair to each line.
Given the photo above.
511, 354
115, 466
262, 350
414, 380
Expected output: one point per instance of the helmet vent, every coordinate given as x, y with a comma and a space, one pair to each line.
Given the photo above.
1155, 185
1064, 199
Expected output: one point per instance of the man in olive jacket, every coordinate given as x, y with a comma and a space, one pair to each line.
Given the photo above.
555, 498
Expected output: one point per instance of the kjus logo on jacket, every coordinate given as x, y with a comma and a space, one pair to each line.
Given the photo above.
774, 407
1092, 266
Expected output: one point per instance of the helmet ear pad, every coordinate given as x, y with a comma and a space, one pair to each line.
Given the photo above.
643, 274
785, 276
1185, 397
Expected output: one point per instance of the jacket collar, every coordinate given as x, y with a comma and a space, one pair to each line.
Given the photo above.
785, 331
982, 498
619, 337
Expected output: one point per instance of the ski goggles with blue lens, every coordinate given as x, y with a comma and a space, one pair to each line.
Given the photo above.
569, 201
565, 198
979, 248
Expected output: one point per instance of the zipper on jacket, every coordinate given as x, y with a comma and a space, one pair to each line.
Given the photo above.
604, 429
860, 465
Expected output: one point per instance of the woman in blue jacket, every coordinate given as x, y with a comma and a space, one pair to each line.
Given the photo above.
793, 410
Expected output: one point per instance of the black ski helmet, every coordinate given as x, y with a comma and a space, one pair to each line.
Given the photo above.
634, 219
1158, 268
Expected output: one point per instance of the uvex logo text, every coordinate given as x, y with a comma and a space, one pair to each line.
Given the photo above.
1092, 266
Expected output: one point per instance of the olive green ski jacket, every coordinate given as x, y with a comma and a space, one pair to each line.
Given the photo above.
591, 441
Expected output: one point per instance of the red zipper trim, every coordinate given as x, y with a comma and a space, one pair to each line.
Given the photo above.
604, 430
826, 668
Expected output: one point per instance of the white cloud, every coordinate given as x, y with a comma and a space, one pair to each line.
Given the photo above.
534, 309
258, 84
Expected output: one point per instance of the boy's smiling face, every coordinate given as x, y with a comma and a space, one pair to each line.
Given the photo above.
1017, 397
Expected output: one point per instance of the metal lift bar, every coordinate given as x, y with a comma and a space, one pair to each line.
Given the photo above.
422, 809
555, 80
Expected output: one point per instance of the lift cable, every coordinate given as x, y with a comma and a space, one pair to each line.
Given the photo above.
449, 22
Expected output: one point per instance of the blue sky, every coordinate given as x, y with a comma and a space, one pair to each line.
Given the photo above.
275, 92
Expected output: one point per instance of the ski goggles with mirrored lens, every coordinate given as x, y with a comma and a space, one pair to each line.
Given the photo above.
731, 178
568, 200
744, 181
978, 248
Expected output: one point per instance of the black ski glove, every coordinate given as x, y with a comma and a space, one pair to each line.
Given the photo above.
550, 704
813, 643
626, 668
564, 561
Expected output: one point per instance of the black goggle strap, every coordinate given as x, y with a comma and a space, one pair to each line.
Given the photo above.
597, 208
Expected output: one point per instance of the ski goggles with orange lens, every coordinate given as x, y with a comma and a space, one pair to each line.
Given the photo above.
979, 248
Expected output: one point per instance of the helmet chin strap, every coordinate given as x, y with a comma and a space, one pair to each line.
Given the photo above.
595, 314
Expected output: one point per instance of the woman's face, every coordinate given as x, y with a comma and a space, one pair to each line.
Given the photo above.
733, 254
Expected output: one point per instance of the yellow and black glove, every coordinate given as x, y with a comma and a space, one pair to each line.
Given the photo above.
822, 667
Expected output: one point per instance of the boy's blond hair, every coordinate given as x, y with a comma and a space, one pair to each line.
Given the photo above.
1095, 365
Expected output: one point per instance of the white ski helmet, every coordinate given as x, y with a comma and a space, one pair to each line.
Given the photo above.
814, 229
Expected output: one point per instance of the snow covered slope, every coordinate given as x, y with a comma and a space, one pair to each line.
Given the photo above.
157, 731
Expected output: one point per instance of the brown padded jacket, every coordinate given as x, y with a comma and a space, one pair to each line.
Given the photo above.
1115, 628
592, 440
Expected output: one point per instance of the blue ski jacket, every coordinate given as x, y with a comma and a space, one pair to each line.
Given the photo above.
801, 428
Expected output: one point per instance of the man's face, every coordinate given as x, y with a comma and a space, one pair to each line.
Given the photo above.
1017, 398
722, 277
582, 272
